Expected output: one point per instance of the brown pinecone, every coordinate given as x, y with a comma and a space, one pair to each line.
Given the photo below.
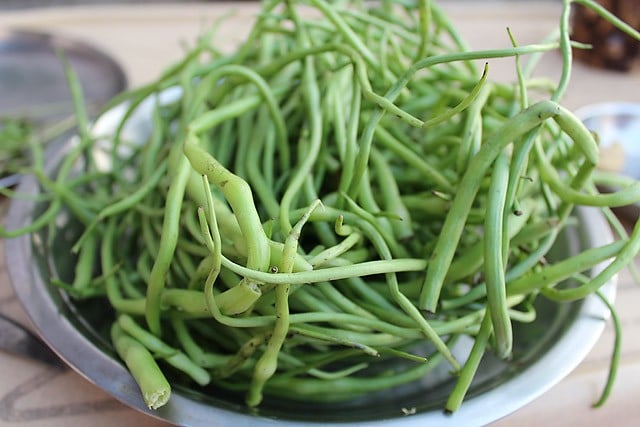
611, 48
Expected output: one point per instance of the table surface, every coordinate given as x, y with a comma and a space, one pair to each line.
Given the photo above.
146, 38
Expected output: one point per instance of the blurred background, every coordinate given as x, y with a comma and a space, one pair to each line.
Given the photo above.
25, 4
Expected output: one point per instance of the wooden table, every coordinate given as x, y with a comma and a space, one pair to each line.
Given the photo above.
146, 38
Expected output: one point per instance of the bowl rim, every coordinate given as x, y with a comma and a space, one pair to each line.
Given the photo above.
590, 111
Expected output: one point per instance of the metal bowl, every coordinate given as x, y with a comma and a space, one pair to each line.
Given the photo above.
32, 78
617, 125
545, 351
34, 85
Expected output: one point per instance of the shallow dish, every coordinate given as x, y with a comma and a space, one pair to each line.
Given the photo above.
34, 86
618, 127
545, 351
32, 79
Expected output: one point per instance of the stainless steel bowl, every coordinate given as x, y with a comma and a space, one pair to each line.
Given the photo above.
617, 125
544, 351
34, 87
